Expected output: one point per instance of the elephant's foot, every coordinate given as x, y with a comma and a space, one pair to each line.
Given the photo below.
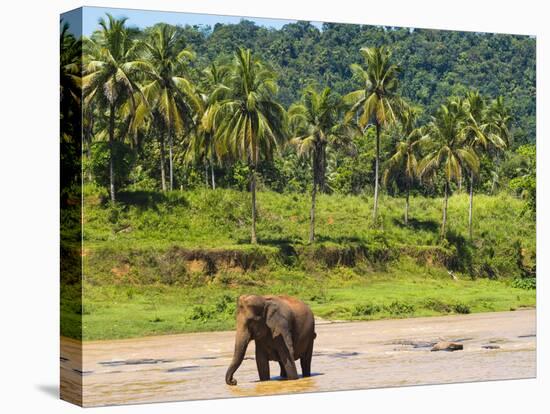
283, 372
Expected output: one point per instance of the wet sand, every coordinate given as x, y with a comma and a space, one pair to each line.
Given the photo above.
348, 355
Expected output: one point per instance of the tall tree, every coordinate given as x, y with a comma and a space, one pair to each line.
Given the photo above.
110, 76
451, 154
70, 77
203, 146
526, 180
499, 118
480, 138
377, 102
70, 72
403, 163
315, 124
169, 90
498, 124
249, 121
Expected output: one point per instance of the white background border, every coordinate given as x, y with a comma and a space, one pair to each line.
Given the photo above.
29, 204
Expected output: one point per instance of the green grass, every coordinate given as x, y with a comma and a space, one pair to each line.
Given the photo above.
219, 220
176, 262
122, 311
206, 218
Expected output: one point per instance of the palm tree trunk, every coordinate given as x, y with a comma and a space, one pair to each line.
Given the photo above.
206, 173
89, 137
89, 156
213, 177
171, 157
316, 168
111, 152
376, 169
253, 238
321, 170
162, 166
312, 214
471, 208
445, 204
407, 205
494, 180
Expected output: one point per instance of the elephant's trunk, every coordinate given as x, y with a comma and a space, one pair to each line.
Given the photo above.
241, 343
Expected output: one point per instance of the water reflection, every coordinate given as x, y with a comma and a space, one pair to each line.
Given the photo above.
275, 386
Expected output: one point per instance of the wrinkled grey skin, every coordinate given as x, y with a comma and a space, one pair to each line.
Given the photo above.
283, 329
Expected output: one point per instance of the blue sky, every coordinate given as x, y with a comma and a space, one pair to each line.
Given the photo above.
144, 18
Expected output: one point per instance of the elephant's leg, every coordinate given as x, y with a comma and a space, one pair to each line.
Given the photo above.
262, 362
283, 372
286, 358
305, 361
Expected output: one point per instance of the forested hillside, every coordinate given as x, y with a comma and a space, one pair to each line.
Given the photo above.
432, 67
435, 64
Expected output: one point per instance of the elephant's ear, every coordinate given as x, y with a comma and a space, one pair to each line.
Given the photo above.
274, 319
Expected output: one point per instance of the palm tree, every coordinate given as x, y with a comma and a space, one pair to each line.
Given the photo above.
315, 123
404, 161
377, 102
70, 91
168, 91
70, 73
88, 125
110, 75
203, 146
498, 123
499, 119
249, 122
480, 138
451, 154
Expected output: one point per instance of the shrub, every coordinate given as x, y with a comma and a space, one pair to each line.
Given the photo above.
201, 313
526, 283
366, 309
461, 308
124, 157
320, 298
93, 192
437, 305
223, 308
399, 308
141, 180
225, 304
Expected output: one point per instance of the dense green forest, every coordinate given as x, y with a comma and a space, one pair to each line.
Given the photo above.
433, 66
295, 151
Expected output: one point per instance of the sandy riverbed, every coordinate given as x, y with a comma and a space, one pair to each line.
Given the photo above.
354, 355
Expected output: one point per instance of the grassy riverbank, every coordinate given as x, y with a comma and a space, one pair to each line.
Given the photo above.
168, 263
407, 290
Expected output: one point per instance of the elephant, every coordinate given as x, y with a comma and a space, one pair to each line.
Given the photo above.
283, 329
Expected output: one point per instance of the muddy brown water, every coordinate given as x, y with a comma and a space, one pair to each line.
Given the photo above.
347, 355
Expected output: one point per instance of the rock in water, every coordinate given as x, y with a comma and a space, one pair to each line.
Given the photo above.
490, 346
447, 346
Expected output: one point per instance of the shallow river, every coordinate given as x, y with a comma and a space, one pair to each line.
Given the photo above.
354, 355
